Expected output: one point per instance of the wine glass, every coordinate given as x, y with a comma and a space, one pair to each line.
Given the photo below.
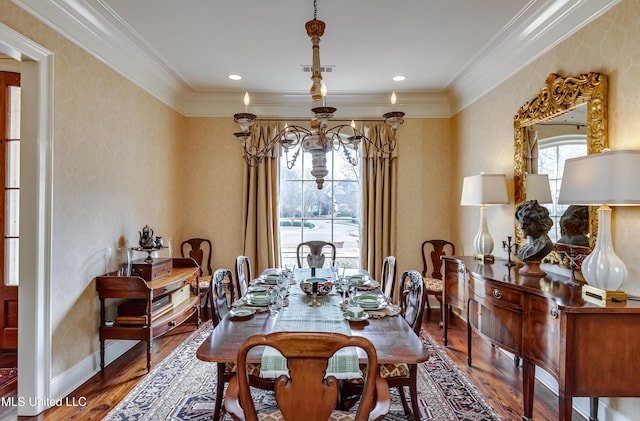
335, 268
282, 285
275, 302
343, 283
353, 287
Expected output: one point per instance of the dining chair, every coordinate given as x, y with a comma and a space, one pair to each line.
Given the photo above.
315, 258
200, 250
243, 275
434, 250
305, 393
401, 375
221, 298
388, 278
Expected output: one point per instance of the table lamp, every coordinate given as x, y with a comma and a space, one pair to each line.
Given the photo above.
484, 190
537, 187
602, 179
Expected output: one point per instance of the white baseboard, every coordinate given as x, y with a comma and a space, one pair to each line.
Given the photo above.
65, 383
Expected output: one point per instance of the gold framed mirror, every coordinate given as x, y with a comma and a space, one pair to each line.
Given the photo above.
559, 96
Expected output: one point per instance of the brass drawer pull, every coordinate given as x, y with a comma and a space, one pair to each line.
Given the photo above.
497, 293
554, 313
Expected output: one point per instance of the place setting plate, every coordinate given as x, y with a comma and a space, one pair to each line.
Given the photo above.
241, 313
270, 279
257, 298
371, 301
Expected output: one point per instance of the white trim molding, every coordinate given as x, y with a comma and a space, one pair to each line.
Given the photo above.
36, 197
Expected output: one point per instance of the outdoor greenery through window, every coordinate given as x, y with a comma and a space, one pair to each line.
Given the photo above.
331, 214
552, 152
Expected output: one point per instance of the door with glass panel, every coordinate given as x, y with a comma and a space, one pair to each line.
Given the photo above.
9, 207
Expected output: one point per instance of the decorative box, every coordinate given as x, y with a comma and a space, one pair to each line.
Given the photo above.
151, 270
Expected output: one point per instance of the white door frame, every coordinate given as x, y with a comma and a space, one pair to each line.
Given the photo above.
36, 190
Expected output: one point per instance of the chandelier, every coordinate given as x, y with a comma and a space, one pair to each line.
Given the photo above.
319, 140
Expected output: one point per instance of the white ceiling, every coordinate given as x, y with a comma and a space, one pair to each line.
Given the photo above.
451, 51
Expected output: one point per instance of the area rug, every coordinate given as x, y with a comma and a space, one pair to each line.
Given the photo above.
8, 375
182, 387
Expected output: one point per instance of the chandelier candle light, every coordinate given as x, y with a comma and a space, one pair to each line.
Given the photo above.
603, 179
319, 140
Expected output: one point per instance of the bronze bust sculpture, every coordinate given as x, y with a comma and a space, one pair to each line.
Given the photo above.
535, 223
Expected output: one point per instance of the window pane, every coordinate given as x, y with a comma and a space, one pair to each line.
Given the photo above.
12, 212
11, 261
13, 164
13, 130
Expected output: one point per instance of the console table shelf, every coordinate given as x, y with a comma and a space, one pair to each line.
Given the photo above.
177, 301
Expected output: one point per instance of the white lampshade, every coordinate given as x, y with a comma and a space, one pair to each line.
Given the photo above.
607, 178
538, 188
482, 190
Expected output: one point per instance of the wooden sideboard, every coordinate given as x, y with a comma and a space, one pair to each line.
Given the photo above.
591, 350
152, 307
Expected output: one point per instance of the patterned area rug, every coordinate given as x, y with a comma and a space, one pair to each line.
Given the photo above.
183, 388
8, 375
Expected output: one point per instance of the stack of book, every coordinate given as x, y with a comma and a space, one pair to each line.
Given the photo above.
134, 312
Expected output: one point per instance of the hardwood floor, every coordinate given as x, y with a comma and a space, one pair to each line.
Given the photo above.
493, 373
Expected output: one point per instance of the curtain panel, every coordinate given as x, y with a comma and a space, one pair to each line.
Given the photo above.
260, 203
379, 197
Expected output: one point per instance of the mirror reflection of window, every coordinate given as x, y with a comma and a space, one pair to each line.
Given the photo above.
552, 152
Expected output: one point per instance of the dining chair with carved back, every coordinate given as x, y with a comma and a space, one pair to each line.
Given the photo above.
315, 257
243, 275
432, 251
401, 375
388, 278
221, 298
305, 393
200, 250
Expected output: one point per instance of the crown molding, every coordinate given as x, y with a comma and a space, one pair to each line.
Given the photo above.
541, 26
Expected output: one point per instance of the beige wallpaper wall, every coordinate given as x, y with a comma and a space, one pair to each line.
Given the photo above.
483, 133
116, 151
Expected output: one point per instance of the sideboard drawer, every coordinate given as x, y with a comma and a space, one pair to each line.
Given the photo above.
494, 294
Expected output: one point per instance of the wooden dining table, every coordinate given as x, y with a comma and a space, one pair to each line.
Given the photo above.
392, 337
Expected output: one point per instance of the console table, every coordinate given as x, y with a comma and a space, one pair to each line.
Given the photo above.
161, 303
591, 350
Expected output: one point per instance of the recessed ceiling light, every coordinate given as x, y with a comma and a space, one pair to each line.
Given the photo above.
235, 77
399, 78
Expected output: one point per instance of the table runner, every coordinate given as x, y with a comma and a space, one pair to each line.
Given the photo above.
300, 317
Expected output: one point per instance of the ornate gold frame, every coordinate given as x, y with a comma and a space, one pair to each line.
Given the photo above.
558, 96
